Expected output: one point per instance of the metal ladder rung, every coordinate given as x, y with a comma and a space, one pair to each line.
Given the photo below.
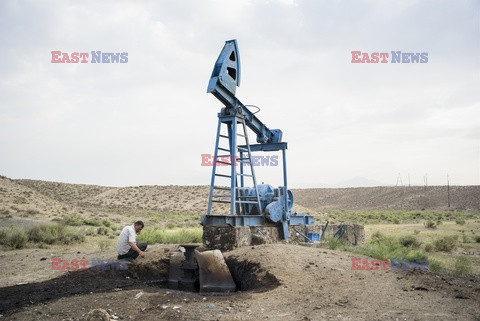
240, 135
249, 175
222, 162
242, 149
217, 195
223, 136
247, 196
223, 156
218, 201
222, 175
247, 202
222, 188
224, 149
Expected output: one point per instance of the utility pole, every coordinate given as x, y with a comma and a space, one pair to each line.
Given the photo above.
399, 180
448, 190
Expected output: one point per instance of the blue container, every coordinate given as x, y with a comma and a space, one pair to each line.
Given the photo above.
315, 237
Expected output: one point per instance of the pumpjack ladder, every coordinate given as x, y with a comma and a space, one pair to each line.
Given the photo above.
235, 157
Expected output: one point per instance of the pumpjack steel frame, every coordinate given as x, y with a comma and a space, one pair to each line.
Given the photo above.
223, 82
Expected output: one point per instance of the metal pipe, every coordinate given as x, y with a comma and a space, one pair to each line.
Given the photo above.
306, 237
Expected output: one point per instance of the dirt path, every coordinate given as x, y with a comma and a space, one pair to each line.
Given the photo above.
292, 283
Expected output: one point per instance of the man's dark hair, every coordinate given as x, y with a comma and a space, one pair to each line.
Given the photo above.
140, 223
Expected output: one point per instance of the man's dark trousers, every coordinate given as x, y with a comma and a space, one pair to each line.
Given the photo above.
131, 254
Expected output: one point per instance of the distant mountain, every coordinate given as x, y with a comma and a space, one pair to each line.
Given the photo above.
358, 181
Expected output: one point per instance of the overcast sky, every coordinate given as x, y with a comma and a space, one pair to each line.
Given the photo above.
147, 122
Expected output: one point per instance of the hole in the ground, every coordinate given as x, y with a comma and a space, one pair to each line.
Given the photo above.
246, 275
250, 275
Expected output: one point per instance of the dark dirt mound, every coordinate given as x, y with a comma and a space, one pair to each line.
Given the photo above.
84, 282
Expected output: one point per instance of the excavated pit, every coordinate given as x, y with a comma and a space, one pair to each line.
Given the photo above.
248, 276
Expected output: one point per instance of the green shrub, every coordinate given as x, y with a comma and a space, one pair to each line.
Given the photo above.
377, 236
409, 240
106, 222
51, 233
463, 266
90, 231
465, 238
102, 230
396, 221
156, 235
13, 237
435, 266
416, 232
170, 225
332, 243
430, 224
446, 243
151, 235
184, 236
73, 220
104, 244
43, 246
92, 221
429, 247
45, 233
477, 238
385, 247
460, 221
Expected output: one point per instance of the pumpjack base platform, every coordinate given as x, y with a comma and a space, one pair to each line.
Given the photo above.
227, 238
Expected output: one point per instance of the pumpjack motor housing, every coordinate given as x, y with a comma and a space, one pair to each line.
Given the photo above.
256, 204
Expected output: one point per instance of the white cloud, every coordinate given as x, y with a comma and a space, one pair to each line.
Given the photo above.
148, 121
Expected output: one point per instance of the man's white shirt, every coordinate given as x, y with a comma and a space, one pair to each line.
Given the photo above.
127, 235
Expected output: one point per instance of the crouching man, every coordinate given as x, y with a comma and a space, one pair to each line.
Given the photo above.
127, 247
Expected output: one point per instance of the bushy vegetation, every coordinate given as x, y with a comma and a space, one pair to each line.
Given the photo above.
102, 230
334, 243
397, 216
409, 240
41, 235
104, 244
51, 233
446, 243
430, 224
387, 247
15, 238
463, 266
429, 247
435, 266
77, 220
157, 235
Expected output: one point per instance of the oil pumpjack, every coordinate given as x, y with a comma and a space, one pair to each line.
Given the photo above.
258, 204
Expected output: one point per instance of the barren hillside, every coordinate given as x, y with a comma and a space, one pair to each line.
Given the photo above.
462, 198
35, 198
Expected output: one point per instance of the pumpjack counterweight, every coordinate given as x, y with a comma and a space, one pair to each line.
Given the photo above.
260, 204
